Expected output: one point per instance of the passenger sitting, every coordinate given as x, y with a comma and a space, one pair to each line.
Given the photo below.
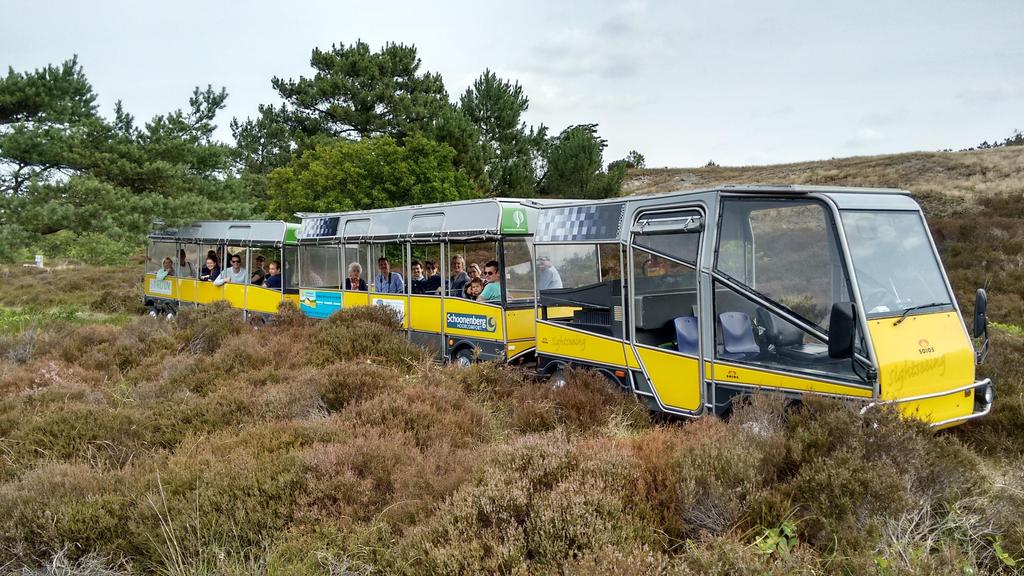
432, 282
547, 275
273, 279
185, 268
474, 271
655, 266
473, 289
492, 291
354, 282
388, 282
211, 271
166, 269
459, 278
258, 273
417, 278
234, 275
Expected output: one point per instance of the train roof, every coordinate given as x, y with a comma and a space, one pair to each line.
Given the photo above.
602, 220
238, 232
466, 219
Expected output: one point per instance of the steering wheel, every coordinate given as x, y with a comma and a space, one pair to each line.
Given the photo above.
876, 293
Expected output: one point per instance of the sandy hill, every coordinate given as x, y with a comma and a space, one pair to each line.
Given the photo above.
960, 175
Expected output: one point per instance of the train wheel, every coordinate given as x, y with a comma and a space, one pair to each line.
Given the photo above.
464, 358
557, 379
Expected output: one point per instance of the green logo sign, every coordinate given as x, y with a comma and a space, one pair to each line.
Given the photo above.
513, 221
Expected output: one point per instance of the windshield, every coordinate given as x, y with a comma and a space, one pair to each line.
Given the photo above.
895, 265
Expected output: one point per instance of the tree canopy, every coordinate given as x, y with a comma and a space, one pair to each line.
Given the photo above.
366, 129
342, 175
574, 165
509, 149
64, 169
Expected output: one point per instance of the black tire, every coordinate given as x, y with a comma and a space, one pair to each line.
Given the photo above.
557, 380
464, 357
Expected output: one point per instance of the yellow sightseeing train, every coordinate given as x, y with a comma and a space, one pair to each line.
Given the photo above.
689, 299
686, 299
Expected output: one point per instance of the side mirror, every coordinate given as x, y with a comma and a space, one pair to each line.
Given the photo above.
980, 309
842, 328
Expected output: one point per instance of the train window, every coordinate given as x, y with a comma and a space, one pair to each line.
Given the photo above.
157, 252
187, 261
259, 265
750, 333
395, 253
358, 253
291, 269
663, 289
320, 266
784, 250
206, 252
518, 270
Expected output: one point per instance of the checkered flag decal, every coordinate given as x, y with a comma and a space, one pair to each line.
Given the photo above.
319, 227
579, 223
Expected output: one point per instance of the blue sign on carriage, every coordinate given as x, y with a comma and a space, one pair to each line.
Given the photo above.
474, 322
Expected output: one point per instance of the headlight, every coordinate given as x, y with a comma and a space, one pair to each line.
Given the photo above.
990, 394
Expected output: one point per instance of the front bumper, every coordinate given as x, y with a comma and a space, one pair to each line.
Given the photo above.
981, 406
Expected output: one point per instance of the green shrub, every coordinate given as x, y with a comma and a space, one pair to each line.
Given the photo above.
203, 329
60, 507
343, 383
588, 401
366, 332
430, 414
537, 504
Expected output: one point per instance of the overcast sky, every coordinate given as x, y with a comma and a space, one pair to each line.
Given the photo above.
683, 82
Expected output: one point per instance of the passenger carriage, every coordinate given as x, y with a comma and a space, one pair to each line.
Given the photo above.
689, 299
188, 246
455, 328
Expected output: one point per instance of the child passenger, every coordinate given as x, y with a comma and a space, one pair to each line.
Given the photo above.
474, 288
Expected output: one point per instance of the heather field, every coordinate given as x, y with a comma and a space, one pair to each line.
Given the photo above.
131, 444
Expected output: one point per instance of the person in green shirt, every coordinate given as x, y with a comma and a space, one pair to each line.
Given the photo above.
492, 274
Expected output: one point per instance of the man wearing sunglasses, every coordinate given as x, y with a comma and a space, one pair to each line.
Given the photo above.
492, 291
236, 274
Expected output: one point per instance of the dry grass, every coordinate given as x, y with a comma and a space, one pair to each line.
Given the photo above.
206, 446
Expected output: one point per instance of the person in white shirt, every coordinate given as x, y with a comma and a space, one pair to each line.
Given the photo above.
236, 274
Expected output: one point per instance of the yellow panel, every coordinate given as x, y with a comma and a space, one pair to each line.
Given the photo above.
260, 299
167, 288
754, 377
207, 293
234, 294
477, 319
518, 348
398, 303
555, 312
351, 298
924, 354
293, 298
425, 313
521, 324
557, 340
631, 360
187, 289
675, 378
